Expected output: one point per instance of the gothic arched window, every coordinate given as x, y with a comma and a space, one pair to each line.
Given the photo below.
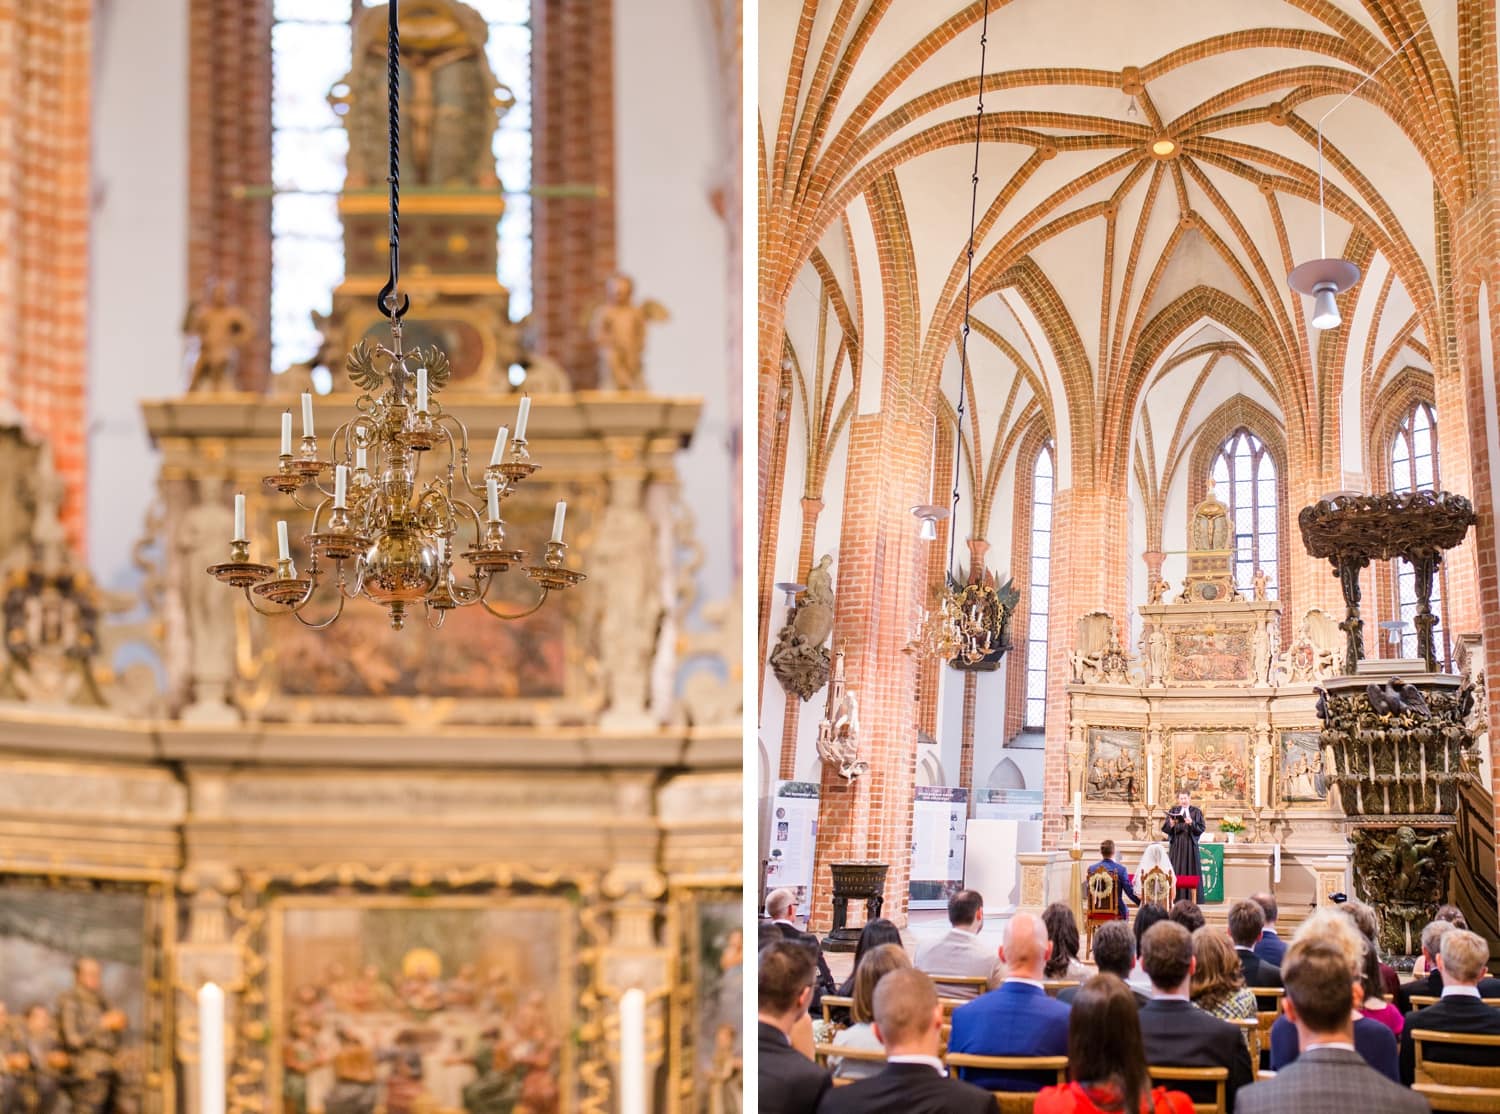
1244, 476
1414, 468
1043, 476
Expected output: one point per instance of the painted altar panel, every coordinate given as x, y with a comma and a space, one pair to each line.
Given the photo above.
421, 1005
1213, 656
112, 1059
1301, 777
1212, 765
1116, 768
707, 1060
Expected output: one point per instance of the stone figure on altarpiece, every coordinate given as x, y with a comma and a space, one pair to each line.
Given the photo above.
1210, 525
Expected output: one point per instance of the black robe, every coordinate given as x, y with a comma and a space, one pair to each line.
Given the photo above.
1183, 843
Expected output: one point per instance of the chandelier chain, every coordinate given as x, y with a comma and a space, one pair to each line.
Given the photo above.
387, 299
963, 348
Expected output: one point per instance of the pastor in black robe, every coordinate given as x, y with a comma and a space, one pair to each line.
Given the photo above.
1182, 836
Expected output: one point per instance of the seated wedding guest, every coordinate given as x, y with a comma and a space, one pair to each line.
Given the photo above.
1461, 959
781, 907
1372, 1040
1247, 922
877, 963
1148, 915
1106, 1060
1375, 1006
1062, 932
1218, 985
876, 932
959, 951
1017, 1018
1114, 954
1431, 986
909, 1023
1364, 920
1271, 947
1187, 914
790, 1083
1123, 888
1329, 1074
1177, 1033
1454, 916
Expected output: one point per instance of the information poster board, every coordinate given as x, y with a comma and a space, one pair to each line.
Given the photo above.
1023, 805
793, 836
1211, 855
940, 814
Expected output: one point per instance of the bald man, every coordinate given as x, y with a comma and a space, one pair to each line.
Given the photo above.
1017, 1018
908, 1022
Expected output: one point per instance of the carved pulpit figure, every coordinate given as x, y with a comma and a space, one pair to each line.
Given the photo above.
618, 330
222, 330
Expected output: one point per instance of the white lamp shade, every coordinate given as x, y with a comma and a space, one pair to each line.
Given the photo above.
1325, 311
928, 530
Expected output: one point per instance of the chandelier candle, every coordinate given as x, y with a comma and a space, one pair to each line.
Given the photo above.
210, 1049
557, 521
239, 518
393, 535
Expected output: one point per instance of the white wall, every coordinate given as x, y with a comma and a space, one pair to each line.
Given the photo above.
138, 278
667, 143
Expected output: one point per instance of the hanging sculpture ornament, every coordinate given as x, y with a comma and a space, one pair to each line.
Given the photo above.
391, 534
800, 659
838, 731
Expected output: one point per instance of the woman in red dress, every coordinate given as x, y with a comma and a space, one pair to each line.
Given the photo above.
1106, 1060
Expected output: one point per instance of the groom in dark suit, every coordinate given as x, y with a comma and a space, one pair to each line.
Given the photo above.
909, 1022
1462, 959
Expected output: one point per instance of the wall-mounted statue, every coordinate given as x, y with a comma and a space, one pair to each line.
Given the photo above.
1156, 657
1210, 525
1315, 655
838, 731
799, 659
1260, 655
618, 330
222, 330
1258, 584
1098, 657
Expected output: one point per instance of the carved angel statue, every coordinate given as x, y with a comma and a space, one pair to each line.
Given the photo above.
618, 330
222, 330
838, 733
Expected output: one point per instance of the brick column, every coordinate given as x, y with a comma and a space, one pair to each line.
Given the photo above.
44, 229
879, 585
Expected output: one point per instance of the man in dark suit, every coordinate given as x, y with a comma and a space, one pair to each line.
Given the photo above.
1461, 960
1247, 922
1123, 888
1432, 985
1328, 1074
1176, 1033
781, 907
909, 1022
1017, 1018
1272, 948
790, 1083
1114, 954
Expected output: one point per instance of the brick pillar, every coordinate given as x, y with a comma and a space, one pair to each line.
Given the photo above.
229, 148
44, 230
573, 129
879, 586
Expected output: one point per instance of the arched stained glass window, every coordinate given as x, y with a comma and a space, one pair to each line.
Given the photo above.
1043, 477
1244, 477
1414, 468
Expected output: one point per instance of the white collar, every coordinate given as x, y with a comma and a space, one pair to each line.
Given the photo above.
1345, 1046
967, 930
1158, 996
1268, 932
1451, 991
931, 1061
1026, 982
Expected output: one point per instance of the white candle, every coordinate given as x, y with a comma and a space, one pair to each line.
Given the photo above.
283, 549
521, 416
442, 548
499, 454
633, 1052
1257, 779
307, 422
210, 1049
360, 458
340, 487
239, 518
492, 494
557, 520
286, 433
1150, 778
421, 390
1077, 811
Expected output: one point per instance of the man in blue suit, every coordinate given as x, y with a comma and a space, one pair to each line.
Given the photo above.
1123, 890
1271, 948
1017, 1018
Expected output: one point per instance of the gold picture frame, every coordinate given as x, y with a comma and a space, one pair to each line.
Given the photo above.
701, 922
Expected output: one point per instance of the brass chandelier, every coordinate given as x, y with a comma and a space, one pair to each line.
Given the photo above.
383, 530
966, 624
